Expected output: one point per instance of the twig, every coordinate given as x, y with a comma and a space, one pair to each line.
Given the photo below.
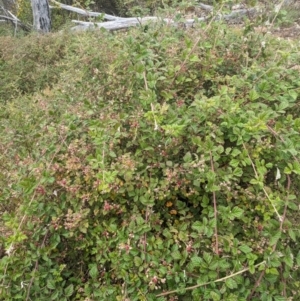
207, 283
35, 268
152, 107
215, 207
257, 283
263, 188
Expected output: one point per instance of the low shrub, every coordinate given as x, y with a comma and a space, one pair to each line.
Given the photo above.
162, 164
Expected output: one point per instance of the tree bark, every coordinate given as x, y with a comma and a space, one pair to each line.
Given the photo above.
41, 15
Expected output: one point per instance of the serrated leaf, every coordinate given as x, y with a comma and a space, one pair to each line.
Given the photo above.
198, 226
238, 172
146, 201
176, 255
253, 95
234, 162
235, 152
223, 264
196, 261
231, 283
289, 259
69, 290
51, 284
272, 271
55, 295
252, 269
245, 249
293, 94
207, 257
232, 297
212, 275
215, 296
293, 206
93, 272
292, 234
275, 262
137, 261
236, 212
275, 238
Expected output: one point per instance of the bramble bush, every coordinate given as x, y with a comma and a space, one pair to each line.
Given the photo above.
163, 164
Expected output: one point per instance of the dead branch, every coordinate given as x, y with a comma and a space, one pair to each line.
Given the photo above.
116, 23
11, 18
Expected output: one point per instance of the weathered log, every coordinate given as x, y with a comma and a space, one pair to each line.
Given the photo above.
123, 23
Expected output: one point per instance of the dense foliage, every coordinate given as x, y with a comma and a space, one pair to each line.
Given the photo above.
141, 163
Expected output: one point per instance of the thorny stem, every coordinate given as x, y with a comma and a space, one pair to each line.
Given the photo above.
215, 207
152, 107
145, 235
35, 267
275, 246
263, 188
207, 283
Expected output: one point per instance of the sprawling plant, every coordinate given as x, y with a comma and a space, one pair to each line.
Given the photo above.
163, 165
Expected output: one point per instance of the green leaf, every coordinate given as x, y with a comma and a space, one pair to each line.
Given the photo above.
215, 296
253, 95
112, 154
245, 249
236, 212
196, 261
169, 163
55, 295
272, 271
238, 172
298, 259
293, 94
187, 157
234, 162
137, 261
198, 226
147, 201
289, 259
176, 255
275, 238
252, 269
194, 58
69, 290
51, 284
93, 272
207, 257
231, 283
235, 152
280, 298
292, 234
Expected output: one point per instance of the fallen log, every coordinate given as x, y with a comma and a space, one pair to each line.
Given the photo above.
114, 23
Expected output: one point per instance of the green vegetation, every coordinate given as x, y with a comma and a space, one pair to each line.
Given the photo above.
159, 159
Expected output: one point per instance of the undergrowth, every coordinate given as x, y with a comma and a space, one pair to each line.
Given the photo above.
155, 164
